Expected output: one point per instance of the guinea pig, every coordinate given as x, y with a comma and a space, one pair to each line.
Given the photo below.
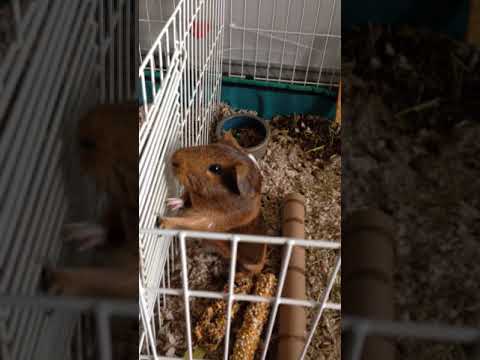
108, 144
222, 193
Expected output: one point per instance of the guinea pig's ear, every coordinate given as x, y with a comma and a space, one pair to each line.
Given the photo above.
229, 139
247, 183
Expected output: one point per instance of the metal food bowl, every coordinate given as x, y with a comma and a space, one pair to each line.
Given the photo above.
243, 121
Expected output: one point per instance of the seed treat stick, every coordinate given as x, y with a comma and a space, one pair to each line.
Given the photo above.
211, 328
256, 315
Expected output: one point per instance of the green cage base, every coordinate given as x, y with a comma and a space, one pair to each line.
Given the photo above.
269, 99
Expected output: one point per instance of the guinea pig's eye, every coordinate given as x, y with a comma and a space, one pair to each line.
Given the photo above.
215, 168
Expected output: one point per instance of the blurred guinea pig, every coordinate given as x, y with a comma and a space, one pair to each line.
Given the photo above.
222, 193
107, 137
108, 145
108, 141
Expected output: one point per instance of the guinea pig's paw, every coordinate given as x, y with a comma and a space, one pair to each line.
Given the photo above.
164, 223
160, 223
87, 235
175, 203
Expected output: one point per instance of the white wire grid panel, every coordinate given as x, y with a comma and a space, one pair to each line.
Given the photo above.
51, 74
153, 15
293, 41
148, 348
186, 89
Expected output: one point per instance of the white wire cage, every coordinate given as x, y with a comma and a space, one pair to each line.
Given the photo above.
152, 322
291, 41
185, 50
61, 59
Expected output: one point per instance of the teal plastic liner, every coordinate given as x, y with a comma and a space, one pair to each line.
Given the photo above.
445, 16
269, 99
148, 87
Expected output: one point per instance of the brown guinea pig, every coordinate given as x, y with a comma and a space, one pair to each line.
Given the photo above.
222, 194
108, 141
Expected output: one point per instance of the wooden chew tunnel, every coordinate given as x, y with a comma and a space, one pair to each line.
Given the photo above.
368, 250
293, 319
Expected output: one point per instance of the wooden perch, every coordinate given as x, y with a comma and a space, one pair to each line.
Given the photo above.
293, 319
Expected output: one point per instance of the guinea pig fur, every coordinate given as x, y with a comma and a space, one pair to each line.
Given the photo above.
222, 194
107, 139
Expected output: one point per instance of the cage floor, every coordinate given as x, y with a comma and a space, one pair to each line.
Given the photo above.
317, 177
